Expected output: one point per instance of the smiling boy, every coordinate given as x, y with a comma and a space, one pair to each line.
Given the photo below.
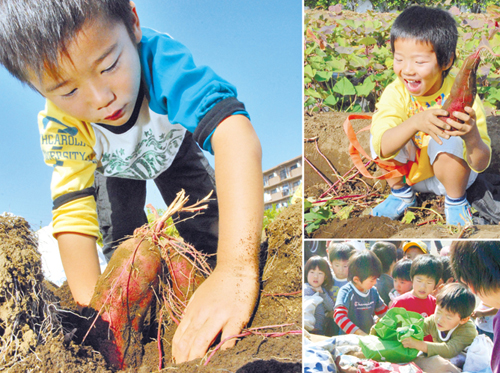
124, 100
407, 127
425, 272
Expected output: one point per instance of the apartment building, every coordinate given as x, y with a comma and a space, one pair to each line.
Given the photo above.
280, 182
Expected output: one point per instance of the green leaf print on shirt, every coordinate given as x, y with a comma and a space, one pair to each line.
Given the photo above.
147, 160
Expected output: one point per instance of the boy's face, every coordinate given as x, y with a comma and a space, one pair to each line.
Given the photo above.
100, 76
492, 299
423, 286
340, 268
447, 320
402, 286
415, 63
366, 285
413, 252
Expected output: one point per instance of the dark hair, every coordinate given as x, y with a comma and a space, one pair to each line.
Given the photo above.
402, 270
364, 264
427, 265
429, 25
457, 298
35, 33
477, 264
386, 252
400, 254
340, 251
322, 264
447, 271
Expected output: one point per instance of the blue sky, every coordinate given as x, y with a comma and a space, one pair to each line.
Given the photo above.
256, 45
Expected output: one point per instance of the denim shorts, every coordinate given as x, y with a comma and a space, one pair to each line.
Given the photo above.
454, 145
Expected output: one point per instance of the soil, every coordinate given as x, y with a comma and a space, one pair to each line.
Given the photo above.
40, 328
327, 128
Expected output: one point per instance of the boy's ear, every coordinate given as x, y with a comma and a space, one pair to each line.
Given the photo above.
355, 279
136, 26
463, 321
450, 62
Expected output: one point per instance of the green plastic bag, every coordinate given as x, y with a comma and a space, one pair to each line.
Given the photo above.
396, 325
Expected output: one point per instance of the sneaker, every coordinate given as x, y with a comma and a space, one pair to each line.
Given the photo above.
393, 207
458, 214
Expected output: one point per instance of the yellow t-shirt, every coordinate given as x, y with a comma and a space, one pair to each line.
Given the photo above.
396, 105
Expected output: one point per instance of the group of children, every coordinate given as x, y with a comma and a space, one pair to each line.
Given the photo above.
359, 286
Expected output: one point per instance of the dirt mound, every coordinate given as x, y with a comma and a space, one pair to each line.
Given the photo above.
324, 131
48, 336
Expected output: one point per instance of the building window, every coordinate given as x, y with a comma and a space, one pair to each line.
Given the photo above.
274, 191
285, 190
293, 167
283, 174
296, 183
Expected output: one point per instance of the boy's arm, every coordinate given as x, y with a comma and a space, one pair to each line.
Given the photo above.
340, 317
81, 264
225, 301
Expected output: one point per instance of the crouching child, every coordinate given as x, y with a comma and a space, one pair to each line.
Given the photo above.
450, 327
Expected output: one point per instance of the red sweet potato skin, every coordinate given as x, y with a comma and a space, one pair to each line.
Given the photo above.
185, 279
130, 277
464, 89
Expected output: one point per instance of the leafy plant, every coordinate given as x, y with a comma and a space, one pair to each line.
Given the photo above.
319, 213
270, 215
348, 61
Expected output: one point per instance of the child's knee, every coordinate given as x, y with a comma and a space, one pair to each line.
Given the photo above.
452, 146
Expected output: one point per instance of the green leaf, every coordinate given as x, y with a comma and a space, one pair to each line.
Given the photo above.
312, 93
344, 213
368, 40
331, 100
367, 87
307, 205
323, 76
408, 217
308, 71
336, 64
344, 87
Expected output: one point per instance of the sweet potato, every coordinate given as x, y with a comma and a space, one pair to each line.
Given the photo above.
464, 90
123, 296
184, 276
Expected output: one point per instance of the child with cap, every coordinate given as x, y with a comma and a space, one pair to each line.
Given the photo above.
414, 248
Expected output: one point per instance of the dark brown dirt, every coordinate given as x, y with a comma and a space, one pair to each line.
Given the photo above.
280, 303
333, 143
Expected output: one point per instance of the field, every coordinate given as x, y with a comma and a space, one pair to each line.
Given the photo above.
41, 331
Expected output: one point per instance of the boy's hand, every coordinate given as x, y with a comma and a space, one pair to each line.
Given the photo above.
466, 129
223, 302
428, 121
360, 332
414, 343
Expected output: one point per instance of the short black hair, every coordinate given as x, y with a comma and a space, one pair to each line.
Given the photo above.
402, 270
322, 264
400, 254
364, 264
427, 265
477, 264
456, 298
35, 33
447, 271
428, 25
340, 251
386, 252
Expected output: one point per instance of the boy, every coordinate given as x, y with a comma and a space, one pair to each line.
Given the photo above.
477, 264
442, 157
402, 279
338, 255
425, 273
120, 99
358, 301
413, 249
450, 326
386, 252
